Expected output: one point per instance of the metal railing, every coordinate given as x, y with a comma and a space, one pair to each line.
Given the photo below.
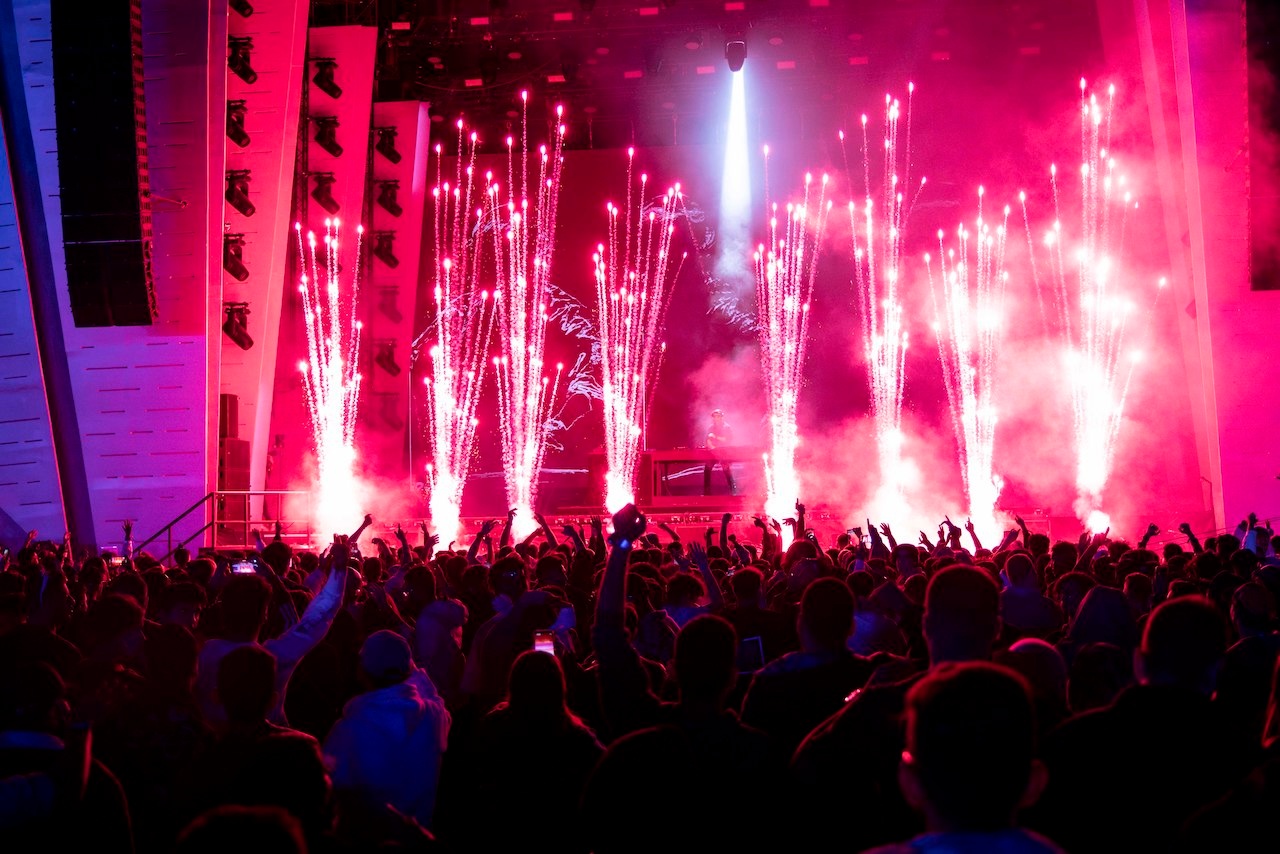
230, 520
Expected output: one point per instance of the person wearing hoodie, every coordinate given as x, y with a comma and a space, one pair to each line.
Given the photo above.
388, 745
437, 632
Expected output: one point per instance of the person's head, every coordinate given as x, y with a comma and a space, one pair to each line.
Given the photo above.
33, 699
1038, 544
1104, 615
1063, 556
746, 584
1184, 644
180, 604
549, 571
278, 555
536, 688
507, 578
1253, 610
419, 589
1226, 545
971, 744
684, 590
246, 682
242, 606
1043, 667
201, 570
1021, 572
247, 830
1138, 592
113, 628
1099, 672
961, 615
385, 660
130, 584
826, 616
172, 653
705, 660
717, 416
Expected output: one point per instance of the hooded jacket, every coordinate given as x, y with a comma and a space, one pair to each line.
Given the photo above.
388, 745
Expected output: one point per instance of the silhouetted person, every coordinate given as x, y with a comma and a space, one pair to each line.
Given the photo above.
969, 764
245, 830
1123, 777
845, 771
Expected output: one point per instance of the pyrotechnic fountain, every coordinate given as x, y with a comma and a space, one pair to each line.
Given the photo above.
634, 276
331, 374
457, 339
968, 323
523, 228
785, 271
878, 232
1088, 285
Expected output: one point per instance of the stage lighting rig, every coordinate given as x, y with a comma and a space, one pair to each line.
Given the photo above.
382, 241
387, 191
386, 144
323, 77
323, 192
236, 326
327, 134
237, 193
735, 52
239, 59
235, 123
233, 256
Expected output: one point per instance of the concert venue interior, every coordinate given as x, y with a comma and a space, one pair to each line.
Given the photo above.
155, 321
763, 289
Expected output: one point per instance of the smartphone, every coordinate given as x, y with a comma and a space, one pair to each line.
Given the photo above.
750, 655
544, 641
243, 567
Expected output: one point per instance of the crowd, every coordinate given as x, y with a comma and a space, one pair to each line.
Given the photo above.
619, 689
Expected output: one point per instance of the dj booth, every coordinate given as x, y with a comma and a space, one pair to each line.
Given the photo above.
677, 477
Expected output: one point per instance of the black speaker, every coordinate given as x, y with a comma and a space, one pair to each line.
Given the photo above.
233, 464
228, 416
103, 177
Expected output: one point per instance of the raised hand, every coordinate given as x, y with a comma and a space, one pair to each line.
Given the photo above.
726, 519
487, 527
968, 525
1253, 521
1019, 522
924, 540
1152, 530
757, 521
511, 514
1185, 529
789, 522
699, 556
368, 519
885, 530
433, 540
1101, 539
568, 531
628, 523
799, 509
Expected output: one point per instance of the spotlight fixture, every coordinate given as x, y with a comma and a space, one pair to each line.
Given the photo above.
323, 77
236, 326
237, 193
235, 123
233, 256
735, 53
386, 358
323, 192
239, 59
387, 191
242, 7
382, 241
327, 134
386, 145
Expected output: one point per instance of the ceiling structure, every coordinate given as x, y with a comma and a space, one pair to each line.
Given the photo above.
648, 72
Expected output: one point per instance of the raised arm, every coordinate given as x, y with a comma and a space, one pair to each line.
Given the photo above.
887, 533
1086, 555
1185, 528
699, 557
724, 532
669, 531
474, 551
575, 538
504, 539
365, 523
1151, 531
973, 534
546, 530
800, 526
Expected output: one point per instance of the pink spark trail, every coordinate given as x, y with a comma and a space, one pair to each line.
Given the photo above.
634, 277
1088, 282
878, 230
785, 271
331, 374
523, 229
968, 323
459, 337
